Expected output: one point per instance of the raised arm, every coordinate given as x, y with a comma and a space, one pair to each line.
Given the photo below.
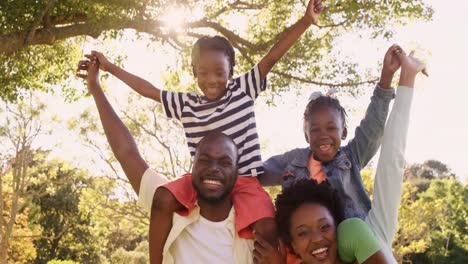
139, 85
368, 135
119, 137
314, 8
383, 215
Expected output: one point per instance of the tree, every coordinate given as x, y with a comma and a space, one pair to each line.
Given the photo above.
117, 224
138, 256
66, 231
17, 133
29, 23
429, 169
432, 221
449, 232
421, 174
413, 225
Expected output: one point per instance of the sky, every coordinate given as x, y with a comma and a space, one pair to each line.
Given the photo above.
439, 124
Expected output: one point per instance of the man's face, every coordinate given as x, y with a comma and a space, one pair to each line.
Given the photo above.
212, 72
324, 131
214, 171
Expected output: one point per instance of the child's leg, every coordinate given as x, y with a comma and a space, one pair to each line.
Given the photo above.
254, 209
165, 204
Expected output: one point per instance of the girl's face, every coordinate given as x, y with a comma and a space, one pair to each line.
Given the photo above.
324, 131
212, 73
313, 234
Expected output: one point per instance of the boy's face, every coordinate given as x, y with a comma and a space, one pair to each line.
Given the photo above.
324, 131
212, 73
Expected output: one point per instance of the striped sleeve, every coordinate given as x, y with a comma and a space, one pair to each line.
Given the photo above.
250, 83
173, 103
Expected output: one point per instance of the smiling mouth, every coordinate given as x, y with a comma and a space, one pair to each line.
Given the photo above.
212, 184
320, 253
325, 148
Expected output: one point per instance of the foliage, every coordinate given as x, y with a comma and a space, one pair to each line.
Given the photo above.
19, 128
116, 223
27, 24
39, 68
66, 232
21, 248
421, 174
55, 261
447, 198
138, 256
432, 221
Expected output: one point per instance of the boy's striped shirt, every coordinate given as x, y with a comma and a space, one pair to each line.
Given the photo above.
233, 114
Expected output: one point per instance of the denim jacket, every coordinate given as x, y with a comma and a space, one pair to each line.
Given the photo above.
343, 172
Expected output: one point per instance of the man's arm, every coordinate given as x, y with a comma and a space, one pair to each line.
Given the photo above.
119, 137
138, 84
314, 8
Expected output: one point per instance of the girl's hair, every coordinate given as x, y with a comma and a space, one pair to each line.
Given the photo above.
217, 43
321, 101
303, 192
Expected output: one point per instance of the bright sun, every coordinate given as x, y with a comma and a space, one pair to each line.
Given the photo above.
175, 18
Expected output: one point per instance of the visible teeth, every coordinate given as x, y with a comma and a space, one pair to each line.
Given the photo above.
320, 250
212, 182
324, 147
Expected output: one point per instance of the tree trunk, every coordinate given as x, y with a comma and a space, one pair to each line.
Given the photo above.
3, 252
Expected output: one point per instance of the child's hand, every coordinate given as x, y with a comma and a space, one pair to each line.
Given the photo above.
91, 66
391, 61
104, 64
265, 253
314, 8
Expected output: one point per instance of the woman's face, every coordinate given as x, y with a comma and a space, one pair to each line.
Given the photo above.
313, 234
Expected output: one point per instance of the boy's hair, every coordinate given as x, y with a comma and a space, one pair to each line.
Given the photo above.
217, 43
302, 192
324, 100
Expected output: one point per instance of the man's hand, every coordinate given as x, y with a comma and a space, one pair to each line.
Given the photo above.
265, 253
104, 63
91, 66
314, 8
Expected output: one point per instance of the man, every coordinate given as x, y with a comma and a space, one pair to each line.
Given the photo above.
204, 233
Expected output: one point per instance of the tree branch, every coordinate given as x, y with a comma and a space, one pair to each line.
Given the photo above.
38, 20
10, 43
304, 80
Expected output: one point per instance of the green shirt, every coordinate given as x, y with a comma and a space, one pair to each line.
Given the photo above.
356, 241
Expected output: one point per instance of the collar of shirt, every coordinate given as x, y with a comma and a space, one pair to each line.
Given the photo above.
242, 248
341, 160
